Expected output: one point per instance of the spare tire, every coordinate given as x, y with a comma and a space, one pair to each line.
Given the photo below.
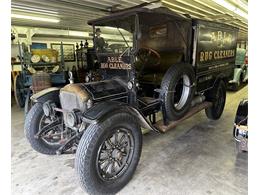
177, 90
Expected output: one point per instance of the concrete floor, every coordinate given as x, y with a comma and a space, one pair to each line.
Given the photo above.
198, 157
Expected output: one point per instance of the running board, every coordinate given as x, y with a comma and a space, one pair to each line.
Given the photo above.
163, 128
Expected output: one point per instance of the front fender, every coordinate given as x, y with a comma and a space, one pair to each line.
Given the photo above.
102, 111
51, 93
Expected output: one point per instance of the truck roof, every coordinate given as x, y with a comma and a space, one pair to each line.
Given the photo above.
152, 9
155, 9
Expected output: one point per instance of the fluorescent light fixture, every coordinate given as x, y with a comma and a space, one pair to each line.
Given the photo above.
18, 11
111, 28
183, 8
35, 18
232, 8
78, 34
32, 9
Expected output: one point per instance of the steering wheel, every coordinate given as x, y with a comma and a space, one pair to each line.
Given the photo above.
148, 56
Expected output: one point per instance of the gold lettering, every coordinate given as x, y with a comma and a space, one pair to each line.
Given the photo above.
201, 56
206, 56
221, 54
219, 35
210, 55
216, 53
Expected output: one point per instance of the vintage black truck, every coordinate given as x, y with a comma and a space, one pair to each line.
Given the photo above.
169, 64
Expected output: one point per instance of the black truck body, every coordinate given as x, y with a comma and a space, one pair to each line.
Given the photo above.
167, 63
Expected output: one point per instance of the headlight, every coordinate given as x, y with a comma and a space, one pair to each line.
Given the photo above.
48, 108
130, 85
89, 103
73, 118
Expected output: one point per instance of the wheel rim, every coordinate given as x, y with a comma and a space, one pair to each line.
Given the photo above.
52, 137
115, 154
181, 92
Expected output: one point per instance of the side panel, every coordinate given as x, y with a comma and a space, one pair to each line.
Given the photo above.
215, 52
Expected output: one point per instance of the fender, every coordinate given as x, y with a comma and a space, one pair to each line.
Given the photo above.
237, 74
102, 111
51, 93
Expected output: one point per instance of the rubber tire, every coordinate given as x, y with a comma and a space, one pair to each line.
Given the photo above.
28, 103
85, 161
169, 81
31, 127
19, 98
215, 111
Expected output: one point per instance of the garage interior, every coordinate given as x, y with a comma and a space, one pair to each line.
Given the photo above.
196, 157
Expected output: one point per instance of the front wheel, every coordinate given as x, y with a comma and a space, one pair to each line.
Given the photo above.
49, 140
108, 154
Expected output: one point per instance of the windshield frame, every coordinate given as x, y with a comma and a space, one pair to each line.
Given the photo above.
134, 33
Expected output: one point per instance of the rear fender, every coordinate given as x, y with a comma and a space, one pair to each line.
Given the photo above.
51, 93
102, 111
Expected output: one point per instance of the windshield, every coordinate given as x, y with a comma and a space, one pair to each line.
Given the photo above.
112, 40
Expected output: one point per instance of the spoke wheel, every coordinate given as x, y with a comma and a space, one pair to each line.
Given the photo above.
115, 154
108, 153
43, 139
53, 135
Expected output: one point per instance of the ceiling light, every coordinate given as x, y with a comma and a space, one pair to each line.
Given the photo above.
78, 34
183, 8
35, 18
17, 11
232, 8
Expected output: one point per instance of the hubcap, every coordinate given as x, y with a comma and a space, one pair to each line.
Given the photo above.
115, 154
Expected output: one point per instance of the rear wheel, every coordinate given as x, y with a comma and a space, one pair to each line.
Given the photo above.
177, 90
108, 154
217, 95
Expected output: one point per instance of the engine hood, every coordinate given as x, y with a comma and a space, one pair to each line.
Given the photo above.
103, 90
76, 95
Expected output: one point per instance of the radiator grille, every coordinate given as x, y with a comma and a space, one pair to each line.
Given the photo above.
70, 101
